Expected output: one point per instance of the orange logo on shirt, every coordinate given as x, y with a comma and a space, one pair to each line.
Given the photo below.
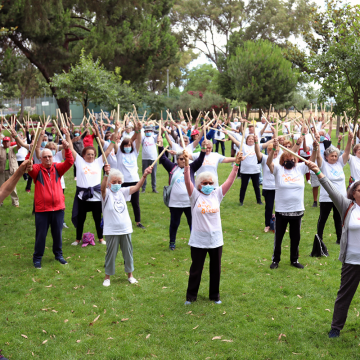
288, 178
88, 171
205, 208
208, 162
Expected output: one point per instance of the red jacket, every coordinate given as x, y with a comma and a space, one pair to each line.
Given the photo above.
89, 140
48, 192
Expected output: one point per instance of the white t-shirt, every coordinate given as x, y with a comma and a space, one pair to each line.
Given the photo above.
21, 154
335, 173
268, 177
149, 151
179, 197
234, 125
58, 158
115, 212
206, 232
257, 133
284, 129
289, 184
354, 162
250, 164
210, 163
219, 135
127, 164
126, 135
89, 175
353, 245
111, 157
309, 142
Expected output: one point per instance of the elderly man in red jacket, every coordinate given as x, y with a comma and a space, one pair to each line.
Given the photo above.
49, 202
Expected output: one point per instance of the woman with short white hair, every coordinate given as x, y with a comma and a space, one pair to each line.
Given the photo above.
117, 223
206, 233
332, 167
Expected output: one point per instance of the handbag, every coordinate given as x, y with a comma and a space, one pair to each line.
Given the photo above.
167, 189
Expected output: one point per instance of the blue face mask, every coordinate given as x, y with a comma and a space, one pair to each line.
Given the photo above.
127, 149
322, 138
115, 187
43, 144
53, 152
109, 141
77, 134
207, 189
148, 133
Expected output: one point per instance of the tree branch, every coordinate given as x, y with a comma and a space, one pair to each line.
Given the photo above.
79, 26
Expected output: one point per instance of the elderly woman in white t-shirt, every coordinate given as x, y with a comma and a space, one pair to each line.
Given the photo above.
88, 195
354, 162
117, 222
206, 233
332, 167
289, 202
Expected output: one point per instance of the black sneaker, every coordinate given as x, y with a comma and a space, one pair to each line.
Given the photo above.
155, 191
297, 265
37, 265
274, 265
314, 204
260, 203
241, 204
141, 226
337, 242
334, 333
172, 246
143, 191
62, 261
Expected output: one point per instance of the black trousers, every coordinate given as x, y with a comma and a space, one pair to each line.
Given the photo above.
84, 208
25, 175
281, 223
74, 170
28, 184
222, 147
269, 196
175, 220
134, 200
43, 220
244, 184
198, 259
350, 277
325, 208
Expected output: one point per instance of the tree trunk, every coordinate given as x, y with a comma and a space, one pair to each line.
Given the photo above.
22, 107
337, 126
248, 108
64, 106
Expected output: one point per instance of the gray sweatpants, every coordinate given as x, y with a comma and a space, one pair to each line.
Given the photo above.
146, 164
350, 278
112, 247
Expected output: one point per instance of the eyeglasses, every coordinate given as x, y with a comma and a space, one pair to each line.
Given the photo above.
181, 159
207, 183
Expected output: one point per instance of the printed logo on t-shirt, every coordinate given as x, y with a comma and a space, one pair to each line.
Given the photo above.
336, 173
288, 178
148, 143
128, 161
88, 171
180, 179
205, 208
208, 162
119, 206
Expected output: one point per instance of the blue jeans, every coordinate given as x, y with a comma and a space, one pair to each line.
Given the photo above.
43, 220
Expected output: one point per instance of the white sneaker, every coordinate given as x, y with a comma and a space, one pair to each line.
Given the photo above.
132, 280
75, 243
309, 182
103, 242
106, 282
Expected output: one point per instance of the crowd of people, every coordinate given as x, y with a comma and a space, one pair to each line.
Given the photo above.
105, 161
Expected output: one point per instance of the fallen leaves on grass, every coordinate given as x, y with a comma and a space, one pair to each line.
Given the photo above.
224, 312
78, 341
189, 312
164, 287
44, 342
96, 319
24, 336
147, 336
109, 338
280, 336
94, 306
49, 286
300, 297
196, 327
98, 270
44, 332
66, 320
216, 338
227, 340
125, 319
328, 310
33, 280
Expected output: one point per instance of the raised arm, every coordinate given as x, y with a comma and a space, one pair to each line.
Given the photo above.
269, 161
237, 143
135, 188
19, 142
346, 153
258, 153
105, 180
230, 180
188, 183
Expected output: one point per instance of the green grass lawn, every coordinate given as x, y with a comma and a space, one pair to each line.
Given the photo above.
49, 313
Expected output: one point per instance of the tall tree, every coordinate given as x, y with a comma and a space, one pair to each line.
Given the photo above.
88, 81
19, 77
261, 74
201, 77
51, 34
208, 25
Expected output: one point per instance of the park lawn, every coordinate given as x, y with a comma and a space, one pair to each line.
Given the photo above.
266, 314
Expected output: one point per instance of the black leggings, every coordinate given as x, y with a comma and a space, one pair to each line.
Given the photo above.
244, 183
325, 208
269, 196
175, 220
95, 208
134, 200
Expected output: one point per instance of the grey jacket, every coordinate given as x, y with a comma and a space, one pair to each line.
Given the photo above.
342, 204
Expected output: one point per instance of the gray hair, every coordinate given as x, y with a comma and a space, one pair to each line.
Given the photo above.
116, 173
42, 151
185, 137
331, 149
322, 131
352, 189
205, 175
